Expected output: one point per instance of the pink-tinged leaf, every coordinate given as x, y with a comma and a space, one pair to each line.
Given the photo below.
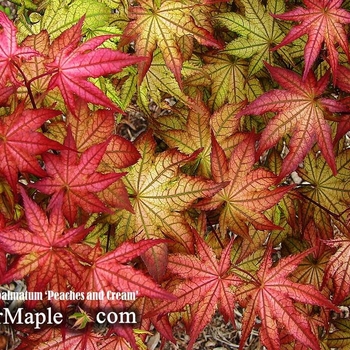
343, 128
343, 81
323, 21
10, 53
20, 142
338, 268
5, 93
75, 178
42, 248
76, 62
270, 296
301, 111
207, 283
112, 271
248, 192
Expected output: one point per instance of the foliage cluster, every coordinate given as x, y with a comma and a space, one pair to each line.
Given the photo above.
237, 195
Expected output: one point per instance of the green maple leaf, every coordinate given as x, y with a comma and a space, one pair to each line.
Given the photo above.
226, 77
158, 80
60, 15
160, 193
258, 32
326, 195
161, 25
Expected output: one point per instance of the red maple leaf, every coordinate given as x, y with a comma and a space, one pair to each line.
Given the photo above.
74, 63
42, 247
10, 53
339, 268
19, 142
323, 21
112, 272
270, 296
301, 111
207, 282
5, 93
76, 178
248, 192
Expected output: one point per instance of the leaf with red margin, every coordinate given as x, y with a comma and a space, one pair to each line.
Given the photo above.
248, 191
76, 178
20, 142
270, 296
323, 21
207, 282
10, 53
160, 193
112, 272
301, 111
42, 248
162, 26
75, 63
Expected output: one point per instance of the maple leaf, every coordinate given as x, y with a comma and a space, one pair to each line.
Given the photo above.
160, 193
207, 282
81, 318
248, 191
227, 78
270, 296
155, 25
5, 93
258, 30
339, 267
42, 248
301, 111
76, 178
323, 21
10, 53
76, 62
19, 142
112, 272
158, 79
312, 268
325, 194
196, 135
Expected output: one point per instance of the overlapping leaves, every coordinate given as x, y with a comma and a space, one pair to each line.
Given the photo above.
206, 283
270, 296
258, 32
248, 191
301, 110
42, 248
154, 24
323, 21
159, 193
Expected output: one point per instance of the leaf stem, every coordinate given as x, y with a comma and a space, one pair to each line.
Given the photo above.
27, 84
